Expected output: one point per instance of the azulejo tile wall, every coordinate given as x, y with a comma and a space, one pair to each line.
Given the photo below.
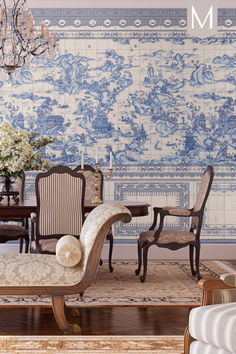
131, 81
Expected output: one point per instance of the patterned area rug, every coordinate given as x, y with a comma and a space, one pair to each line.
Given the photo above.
167, 283
92, 344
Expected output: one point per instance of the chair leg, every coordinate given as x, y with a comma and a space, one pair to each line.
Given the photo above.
21, 244
191, 249
59, 314
197, 261
145, 253
137, 271
26, 244
111, 239
32, 231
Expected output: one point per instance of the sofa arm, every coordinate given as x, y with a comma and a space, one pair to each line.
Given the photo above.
209, 286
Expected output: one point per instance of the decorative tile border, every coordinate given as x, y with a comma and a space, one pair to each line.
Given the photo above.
137, 18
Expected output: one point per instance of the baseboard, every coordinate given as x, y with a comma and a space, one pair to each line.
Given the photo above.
129, 251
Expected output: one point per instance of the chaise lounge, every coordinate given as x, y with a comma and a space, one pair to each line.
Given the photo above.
42, 274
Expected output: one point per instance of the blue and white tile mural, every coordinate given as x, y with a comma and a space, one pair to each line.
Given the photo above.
132, 82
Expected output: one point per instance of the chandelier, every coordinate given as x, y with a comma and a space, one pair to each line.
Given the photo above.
19, 39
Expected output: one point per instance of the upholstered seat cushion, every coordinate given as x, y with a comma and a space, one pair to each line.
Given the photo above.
36, 270
198, 347
167, 236
215, 325
12, 231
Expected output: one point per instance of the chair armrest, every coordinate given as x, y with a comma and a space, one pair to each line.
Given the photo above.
208, 285
170, 210
179, 212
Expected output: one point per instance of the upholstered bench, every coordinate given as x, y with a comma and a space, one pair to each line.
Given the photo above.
42, 274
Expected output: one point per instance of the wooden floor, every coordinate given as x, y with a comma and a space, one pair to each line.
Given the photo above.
98, 321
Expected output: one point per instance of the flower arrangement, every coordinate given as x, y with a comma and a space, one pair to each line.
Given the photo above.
19, 151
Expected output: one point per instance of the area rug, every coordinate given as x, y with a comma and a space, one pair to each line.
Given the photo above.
92, 344
167, 283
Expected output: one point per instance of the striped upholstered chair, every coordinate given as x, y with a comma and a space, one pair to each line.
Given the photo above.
212, 328
60, 207
89, 174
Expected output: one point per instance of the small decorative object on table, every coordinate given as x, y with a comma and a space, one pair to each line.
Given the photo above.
18, 153
97, 200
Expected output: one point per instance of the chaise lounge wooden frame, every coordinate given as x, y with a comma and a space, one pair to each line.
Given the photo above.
93, 235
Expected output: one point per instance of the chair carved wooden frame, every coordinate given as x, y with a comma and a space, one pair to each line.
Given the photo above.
214, 291
89, 174
60, 195
175, 240
16, 232
46, 276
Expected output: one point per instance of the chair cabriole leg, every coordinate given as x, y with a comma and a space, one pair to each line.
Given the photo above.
145, 253
137, 271
191, 250
197, 261
111, 239
59, 313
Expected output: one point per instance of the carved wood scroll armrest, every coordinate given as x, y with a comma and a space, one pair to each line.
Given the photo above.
208, 285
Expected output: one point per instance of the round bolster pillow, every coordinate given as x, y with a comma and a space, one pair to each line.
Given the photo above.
68, 251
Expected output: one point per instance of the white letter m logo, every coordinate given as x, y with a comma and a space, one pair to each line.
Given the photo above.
195, 15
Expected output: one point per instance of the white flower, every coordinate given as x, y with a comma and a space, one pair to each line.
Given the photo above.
18, 150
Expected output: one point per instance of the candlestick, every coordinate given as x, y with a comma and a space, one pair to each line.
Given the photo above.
54, 39
82, 159
110, 160
23, 16
1, 15
47, 35
4, 32
97, 199
28, 33
42, 29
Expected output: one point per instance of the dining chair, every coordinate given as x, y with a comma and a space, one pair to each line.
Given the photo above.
18, 230
89, 174
176, 239
60, 207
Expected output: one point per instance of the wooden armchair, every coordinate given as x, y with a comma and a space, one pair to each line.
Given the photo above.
176, 239
212, 327
41, 274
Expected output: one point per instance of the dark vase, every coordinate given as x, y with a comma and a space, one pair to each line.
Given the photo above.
7, 183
